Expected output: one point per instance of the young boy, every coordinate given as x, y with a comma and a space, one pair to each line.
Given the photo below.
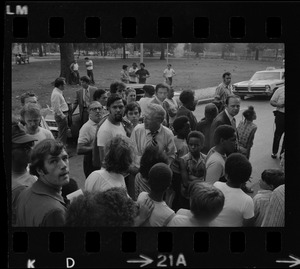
238, 209
132, 116
181, 128
206, 203
192, 165
160, 176
270, 180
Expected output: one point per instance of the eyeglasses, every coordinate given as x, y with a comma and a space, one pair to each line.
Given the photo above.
96, 108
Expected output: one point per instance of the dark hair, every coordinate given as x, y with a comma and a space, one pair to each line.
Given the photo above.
223, 131
160, 177
124, 66
273, 177
162, 85
151, 156
231, 96
210, 111
196, 134
85, 79
86, 58
238, 168
119, 155
187, 96
59, 82
149, 89
179, 123
113, 98
98, 93
114, 87
142, 64
226, 74
249, 113
132, 106
41, 151
110, 208
206, 201
27, 95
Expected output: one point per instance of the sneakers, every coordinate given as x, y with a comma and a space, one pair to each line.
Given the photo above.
274, 156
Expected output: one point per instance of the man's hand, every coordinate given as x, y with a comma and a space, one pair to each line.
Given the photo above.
146, 208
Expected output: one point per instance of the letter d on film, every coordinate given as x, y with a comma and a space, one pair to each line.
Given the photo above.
70, 262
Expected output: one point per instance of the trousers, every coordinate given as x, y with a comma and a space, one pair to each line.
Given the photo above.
279, 131
62, 125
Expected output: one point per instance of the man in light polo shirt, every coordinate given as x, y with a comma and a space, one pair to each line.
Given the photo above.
87, 135
60, 108
89, 69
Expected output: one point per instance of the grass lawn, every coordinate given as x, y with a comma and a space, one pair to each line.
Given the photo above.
191, 74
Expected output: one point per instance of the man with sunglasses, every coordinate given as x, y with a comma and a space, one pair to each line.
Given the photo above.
22, 144
87, 135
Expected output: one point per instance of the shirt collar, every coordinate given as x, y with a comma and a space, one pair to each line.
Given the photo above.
229, 116
58, 90
92, 122
149, 132
41, 188
196, 161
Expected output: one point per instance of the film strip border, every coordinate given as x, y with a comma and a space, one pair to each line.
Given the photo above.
148, 22
161, 22
159, 247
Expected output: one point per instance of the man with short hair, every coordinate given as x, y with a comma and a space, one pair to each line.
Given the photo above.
112, 126
42, 205
232, 108
22, 144
87, 135
224, 89
84, 97
74, 67
119, 88
60, 108
142, 74
169, 73
132, 76
31, 116
89, 69
152, 132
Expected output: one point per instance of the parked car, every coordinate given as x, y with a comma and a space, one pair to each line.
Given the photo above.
262, 83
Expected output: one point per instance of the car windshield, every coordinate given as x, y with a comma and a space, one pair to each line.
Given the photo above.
266, 76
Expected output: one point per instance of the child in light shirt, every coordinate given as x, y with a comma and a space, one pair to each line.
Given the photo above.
270, 180
160, 176
206, 203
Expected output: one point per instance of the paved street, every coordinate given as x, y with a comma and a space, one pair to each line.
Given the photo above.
260, 154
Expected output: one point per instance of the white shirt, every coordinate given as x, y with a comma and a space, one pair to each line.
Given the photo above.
215, 166
58, 102
160, 213
87, 133
107, 131
278, 97
185, 218
89, 65
102, 180
133, 78
75, 67
237, 207
169, 72
42, 134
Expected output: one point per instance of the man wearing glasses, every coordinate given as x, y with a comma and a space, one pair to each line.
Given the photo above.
22, 144
87, 135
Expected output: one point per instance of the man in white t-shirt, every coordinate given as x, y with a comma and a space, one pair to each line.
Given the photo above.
169, 73
112, 126
224, 138
31, 116
89, 69
87, 135
238, 209
133, 78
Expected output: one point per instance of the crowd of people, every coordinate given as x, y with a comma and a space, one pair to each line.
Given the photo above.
146, 163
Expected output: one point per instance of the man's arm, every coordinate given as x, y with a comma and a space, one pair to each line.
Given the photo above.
101, 155
82, 149
55, 103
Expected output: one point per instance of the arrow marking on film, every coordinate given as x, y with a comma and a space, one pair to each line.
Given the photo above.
145, 261
294, 262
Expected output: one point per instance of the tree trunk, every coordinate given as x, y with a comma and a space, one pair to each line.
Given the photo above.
256, 54
66, 58
40, 50
124, 51
162, 51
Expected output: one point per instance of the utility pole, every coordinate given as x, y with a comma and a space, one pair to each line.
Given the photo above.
167, 53
142, 53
